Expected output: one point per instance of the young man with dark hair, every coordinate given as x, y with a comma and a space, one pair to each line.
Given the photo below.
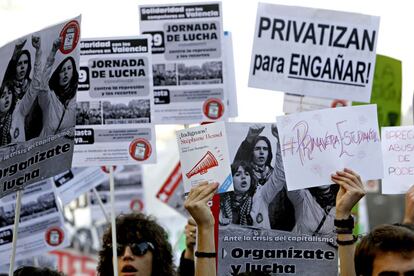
388, 250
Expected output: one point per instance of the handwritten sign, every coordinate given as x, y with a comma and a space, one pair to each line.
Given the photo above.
398, 152
315, 144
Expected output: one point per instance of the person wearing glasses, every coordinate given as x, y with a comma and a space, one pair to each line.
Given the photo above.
143, 248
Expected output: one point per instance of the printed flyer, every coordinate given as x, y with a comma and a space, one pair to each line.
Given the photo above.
41, 225
114, 109
204, 156
188, 61
77, 181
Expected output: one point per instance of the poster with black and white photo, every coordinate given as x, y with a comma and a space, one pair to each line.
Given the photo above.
314, 52
41, 227
114, 110
39, 81
188, 61
76, 181
129, 193
260, 215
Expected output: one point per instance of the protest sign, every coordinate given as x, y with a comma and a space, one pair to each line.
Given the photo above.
386, 90
300, 220
275, 252
172, 191
38, 117
314, 52
129, 193
204, 156
397, 150
318, 143
115, 103
299, 103
41, 227
76, 181
188, 61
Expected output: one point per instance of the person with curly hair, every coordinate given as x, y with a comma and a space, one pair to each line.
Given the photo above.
142, 245
387, 250
36, 271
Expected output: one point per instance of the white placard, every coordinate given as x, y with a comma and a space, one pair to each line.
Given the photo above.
398, 153
316, 144
114, 118
129, 193
76, 181
314, 52
188, 61
41, 227
299, 103
204, 156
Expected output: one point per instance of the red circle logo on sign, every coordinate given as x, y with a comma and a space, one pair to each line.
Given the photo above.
213, 108
69, 37
140, 149
338, 103
54, 236
136, 205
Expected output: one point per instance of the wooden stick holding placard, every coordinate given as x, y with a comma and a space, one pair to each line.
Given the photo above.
98, 198
113, 216
15, 230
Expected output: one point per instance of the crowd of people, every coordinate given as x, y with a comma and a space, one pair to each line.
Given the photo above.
208, 71
137, 109
86, 115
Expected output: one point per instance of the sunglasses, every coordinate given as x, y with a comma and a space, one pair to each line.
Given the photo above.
138, 249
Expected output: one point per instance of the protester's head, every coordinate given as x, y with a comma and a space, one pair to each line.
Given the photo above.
36, 271
64, 80
386, 250
23, 65
6, 98
243, 180
262, 151
142, 248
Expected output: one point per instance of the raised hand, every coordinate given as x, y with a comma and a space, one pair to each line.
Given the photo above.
350, 192
36, 42
196, 203
409, 206
254, 131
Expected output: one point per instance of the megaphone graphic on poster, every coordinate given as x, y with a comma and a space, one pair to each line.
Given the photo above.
207, 162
